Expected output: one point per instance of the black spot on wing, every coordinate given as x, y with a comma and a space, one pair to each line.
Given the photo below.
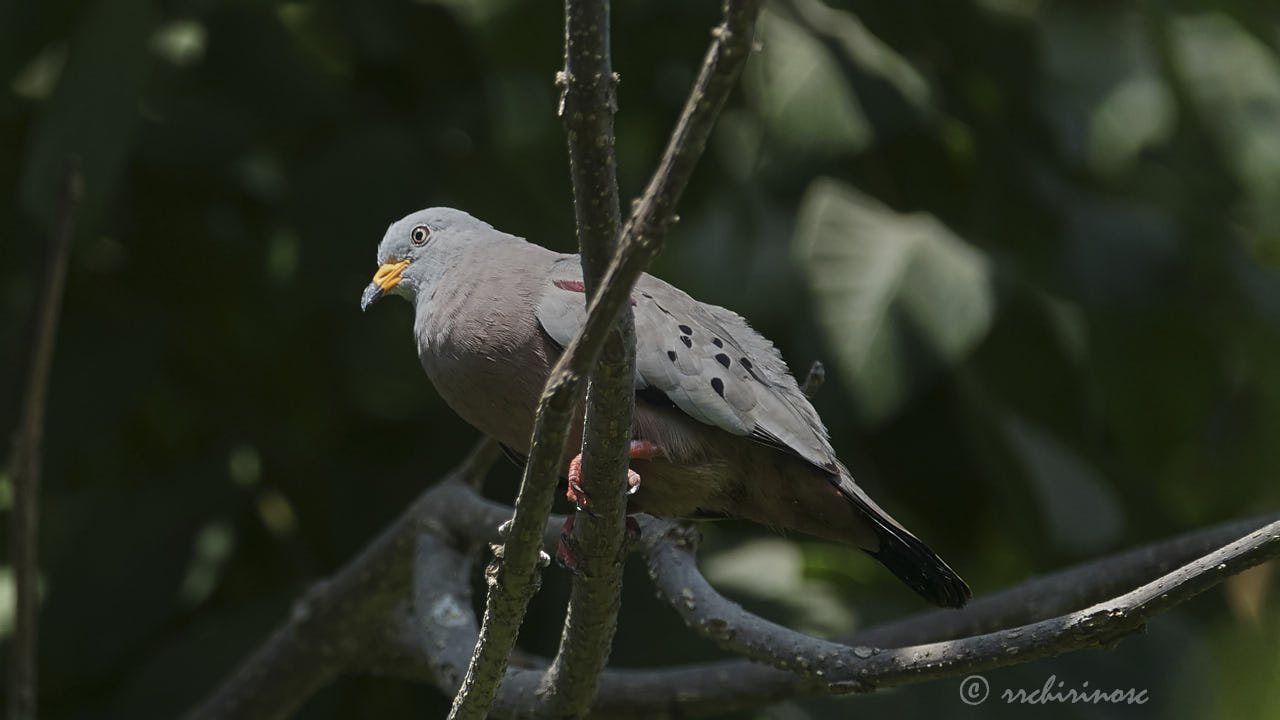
746, 365
717, 342
723, 359
687, 342
686, 329
671, 355
718, 385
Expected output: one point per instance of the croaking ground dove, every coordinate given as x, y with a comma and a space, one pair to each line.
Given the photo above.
722, 428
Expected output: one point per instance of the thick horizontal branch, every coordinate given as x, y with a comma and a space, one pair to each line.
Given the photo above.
844, 668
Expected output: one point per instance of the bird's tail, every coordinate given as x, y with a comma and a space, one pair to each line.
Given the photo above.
906, 556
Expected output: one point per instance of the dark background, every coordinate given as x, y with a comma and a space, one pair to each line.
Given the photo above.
1037, 245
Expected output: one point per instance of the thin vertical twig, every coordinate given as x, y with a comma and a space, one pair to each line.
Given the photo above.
587, 106
514, 575
26, 467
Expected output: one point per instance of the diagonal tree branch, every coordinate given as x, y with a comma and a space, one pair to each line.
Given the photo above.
844, 668
1060, 592
428, 637
514, 575
329, 629
714, 688
24, 530
587, 106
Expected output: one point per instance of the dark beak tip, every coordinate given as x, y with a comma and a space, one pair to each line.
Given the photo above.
370, 296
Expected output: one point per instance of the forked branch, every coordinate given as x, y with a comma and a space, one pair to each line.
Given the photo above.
514, 576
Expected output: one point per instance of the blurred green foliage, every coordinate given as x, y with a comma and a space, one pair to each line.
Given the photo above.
1037, 245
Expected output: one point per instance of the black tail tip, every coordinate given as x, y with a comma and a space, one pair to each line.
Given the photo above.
921, 569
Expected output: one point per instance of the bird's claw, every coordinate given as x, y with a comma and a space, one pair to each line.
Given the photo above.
564, 550
576, 494
640, 450
581, 501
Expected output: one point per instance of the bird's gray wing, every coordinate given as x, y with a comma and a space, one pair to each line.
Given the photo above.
705, 359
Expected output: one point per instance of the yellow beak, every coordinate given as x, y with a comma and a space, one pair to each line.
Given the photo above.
387, 277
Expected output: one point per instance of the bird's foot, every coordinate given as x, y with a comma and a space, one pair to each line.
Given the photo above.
640, 450
575, 493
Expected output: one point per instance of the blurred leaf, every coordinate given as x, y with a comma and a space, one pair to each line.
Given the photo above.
899, 297
1247, 592
1019, 9
865, 50
244, 465
1245, 667
1135, 115
771, 569
1083, 513
1105, 96
476, 13
319, 36
277, 513
93, 112
40, 76
9, 598
737, 141
1114, 252
212, 547
796, 85
1235, 81
181, 42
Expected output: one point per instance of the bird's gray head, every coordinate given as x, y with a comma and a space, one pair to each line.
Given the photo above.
417, 248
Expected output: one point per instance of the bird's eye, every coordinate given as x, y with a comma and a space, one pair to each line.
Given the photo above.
419, 234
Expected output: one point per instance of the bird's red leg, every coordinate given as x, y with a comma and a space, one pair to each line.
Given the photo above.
576, 494
640, 450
